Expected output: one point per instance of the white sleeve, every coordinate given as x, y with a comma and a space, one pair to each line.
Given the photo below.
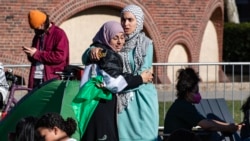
89, 71
115, 85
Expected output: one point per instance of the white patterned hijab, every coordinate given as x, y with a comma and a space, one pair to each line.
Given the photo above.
134, 40
139, 15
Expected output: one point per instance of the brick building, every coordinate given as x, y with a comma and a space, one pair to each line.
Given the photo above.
182, 30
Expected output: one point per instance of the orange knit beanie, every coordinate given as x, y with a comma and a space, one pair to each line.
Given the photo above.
36, 18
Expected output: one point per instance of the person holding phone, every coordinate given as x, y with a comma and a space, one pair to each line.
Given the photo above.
49, 51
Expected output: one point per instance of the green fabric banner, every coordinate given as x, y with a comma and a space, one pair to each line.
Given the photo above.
87, 100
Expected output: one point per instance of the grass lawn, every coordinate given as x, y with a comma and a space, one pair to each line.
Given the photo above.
230, 104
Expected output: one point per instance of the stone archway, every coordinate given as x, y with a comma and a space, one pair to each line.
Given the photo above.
69, 9
177, 54
209, 53
211, 43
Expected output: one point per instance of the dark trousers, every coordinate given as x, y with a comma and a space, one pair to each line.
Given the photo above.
103, 124
37, 82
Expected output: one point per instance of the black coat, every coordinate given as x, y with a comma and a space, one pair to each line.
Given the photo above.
112, 64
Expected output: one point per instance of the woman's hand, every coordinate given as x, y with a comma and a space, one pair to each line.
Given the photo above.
95, 53
147, 76
240, 125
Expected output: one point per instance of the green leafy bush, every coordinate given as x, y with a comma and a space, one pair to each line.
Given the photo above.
236, 42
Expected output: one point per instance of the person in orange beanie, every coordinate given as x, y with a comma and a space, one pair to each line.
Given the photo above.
49, 51
36, 18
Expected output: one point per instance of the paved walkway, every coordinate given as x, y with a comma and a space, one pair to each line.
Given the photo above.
229, 91
236, 95
165, 95
237, 91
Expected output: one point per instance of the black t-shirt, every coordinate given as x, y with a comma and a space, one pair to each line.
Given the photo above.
181, 114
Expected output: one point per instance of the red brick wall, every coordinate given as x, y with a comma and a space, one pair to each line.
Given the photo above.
168, 22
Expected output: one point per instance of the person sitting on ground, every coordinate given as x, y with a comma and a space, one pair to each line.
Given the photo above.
183, 114
25, 130
52, 127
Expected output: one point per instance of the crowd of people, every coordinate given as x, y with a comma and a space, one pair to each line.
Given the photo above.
131, 104
117, 100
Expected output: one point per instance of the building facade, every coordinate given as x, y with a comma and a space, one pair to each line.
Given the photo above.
182, 30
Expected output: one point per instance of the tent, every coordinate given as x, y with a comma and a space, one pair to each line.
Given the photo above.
52, 96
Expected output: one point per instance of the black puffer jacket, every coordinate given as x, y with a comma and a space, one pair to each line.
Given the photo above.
112, 64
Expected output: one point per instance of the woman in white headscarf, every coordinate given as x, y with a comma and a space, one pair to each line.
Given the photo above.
138, 108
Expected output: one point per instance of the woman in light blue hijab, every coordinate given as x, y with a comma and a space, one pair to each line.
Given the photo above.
138, 109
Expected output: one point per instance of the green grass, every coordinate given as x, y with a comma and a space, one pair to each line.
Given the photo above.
236, 104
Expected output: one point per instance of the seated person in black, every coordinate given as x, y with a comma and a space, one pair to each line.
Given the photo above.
183, 114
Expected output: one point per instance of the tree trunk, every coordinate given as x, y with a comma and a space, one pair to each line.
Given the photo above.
232, 12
